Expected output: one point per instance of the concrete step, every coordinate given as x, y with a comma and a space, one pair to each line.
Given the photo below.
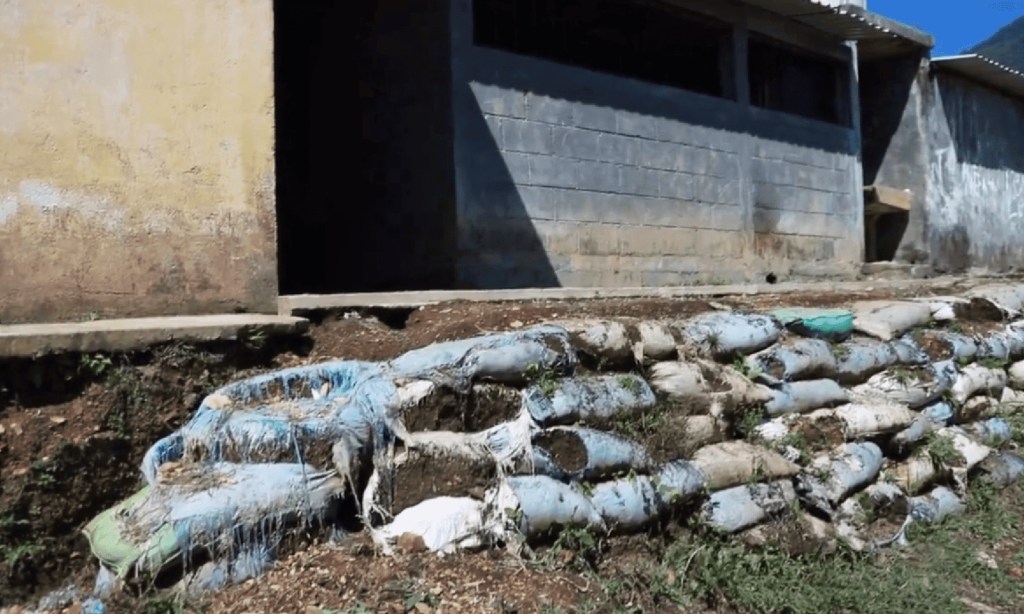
119, 335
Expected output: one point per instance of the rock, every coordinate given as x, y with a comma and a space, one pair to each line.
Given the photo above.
410, 542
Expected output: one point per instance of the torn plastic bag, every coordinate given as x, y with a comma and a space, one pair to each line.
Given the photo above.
1001, 469
931, 418
888, 319
579, 453
976, 408
944, 308
942, 345
936, 506
1016, 375
975, 379
831, 478
217, 575
792, 360
992, 432
859, 359
657, 341
588, 398
908, 353
831, 324
630, 503
846, 422
971, 452
1011, 399
735, 509
445, 524
911, 386
915, 473
1007, 298
504, 357
731, 463
800, 397
538, 503
714, 389
207, 507
605, 342
724, 334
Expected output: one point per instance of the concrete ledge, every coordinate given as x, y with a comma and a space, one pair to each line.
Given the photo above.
23, 340
300, 303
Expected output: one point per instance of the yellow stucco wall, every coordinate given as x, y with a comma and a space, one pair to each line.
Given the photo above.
136, 157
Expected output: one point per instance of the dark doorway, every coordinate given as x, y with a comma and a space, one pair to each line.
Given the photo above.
365, 180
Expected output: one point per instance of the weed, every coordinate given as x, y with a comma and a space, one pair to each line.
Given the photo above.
414, 598
942, 451
44, 474
255, 339
798, 442
994, 363
713, 340
748, 423
630, 383
546, 380
13, 555
642, 424
955, 327
359, 608
739, 363
94, 365
840, 351
585, 546
902, 375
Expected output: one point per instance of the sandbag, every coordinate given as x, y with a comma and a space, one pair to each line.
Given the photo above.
800, 397
1007, 298
915, 473
1012, 400
992, 432
699, 431
940, 413
888, 319
831, 324
831, 478
678, 379
859, 359
580, 453
504, 357
539, 503
942, 345
908, 353
741, 507
220, 574
911, 386
444, 524
792, 360
657, 341
588, 398
943, 308
1005, 344
936, 506
846, 422
731, 463
607, 342
802, 534
1002, 469
628, 504
189, 508
975, 379
971, 452
724, 334
1016, 375
976, 408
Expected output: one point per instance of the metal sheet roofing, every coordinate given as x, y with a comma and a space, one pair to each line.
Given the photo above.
876, 36
982, 69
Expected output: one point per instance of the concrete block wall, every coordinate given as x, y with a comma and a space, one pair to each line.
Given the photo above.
569, 177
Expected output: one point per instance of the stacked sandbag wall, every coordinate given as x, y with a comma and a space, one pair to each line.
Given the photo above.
734, 418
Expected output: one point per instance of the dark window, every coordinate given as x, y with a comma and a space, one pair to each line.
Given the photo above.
634, 39
785, 79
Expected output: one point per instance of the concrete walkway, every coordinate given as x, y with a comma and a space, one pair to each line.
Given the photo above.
301, 303
22, 340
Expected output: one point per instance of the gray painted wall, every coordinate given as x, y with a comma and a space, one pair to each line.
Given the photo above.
570, 177
976, 176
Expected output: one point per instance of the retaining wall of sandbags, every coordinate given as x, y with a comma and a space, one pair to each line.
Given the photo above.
732, 418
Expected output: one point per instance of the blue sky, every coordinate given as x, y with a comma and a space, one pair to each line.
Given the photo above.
955, 24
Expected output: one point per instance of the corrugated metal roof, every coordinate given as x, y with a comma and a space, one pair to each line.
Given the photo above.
985, 70
876, 36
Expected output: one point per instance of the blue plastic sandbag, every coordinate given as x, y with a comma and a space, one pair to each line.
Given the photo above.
595, 454
589, 398
723, 334
741, 507
805, 396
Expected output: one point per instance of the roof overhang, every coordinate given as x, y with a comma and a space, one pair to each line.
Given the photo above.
984, 70
876, 36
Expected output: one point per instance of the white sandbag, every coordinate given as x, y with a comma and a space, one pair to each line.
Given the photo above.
976, 408
732, 463
1011, 399
971, 451
699, 431
859, 359
911, 386
888, 319
1016, 375
793, 359
723, 334
588, 398
630, 503
607, 341
1008, 298
1002, 469
800, 397
832, 477
918, 431
656, 341
915, 473
581, 453
445, 524
852, 421
817, 535
944, 308
538, 503
678, 379
738, 508
975, 379
936, 506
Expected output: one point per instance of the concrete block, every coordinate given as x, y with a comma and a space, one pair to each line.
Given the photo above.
583, 206
594, 117
579, 279
494, 127
526, 136
656, 241
776, 221
517, 168
537, 203
597, 264
549, 110
598, 176
661, 156
636, 124
724, 165
552, 171
810, 248
663, 212
575, 143
496, 100
618, 148
719, 244
659, 279
674, 185
559, 238
599, 239
788, 197
714, 190
639, 181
